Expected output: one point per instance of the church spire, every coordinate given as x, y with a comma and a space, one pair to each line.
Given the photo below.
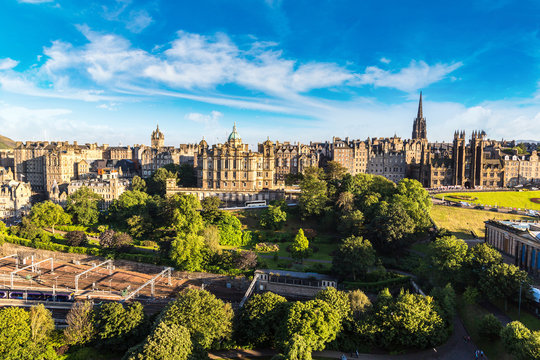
419, 125
420, 112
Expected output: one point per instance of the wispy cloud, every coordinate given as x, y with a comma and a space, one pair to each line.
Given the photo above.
7, 63
416, 76
138, 21
35, 1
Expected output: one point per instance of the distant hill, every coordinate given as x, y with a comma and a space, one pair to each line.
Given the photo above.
6, 143
528, 141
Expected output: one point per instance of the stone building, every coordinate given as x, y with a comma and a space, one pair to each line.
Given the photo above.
517, 239
233, 167
521, 169
108, 186
14, 195
291, 158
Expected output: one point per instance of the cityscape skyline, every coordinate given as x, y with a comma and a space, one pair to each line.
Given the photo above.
108, 71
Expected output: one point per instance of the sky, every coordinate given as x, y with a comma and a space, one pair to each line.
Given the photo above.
288, 70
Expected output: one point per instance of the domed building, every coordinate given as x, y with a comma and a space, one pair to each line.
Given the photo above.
232, 166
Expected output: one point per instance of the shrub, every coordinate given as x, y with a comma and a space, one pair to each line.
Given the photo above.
489, 327
76, 238
267, 247
148, 243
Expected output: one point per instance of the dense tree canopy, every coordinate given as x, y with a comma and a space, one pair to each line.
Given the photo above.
83, 206
313, 197
168, 341
208, 319
354, 256
47, 213
519, 341
447, 257
300, 246
273, 217
80, 320
119, 327
503, 281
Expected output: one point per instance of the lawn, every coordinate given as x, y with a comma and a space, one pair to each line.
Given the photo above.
461, 221
510, 199
470, 314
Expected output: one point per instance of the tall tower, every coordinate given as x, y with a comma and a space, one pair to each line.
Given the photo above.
157, 140
419, 125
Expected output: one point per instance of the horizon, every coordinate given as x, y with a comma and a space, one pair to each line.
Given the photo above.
108, 71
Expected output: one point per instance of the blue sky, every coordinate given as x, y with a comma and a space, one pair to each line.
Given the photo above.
108, 71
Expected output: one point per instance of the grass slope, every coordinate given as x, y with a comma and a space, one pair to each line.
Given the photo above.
6, 143
461, 221
510, 199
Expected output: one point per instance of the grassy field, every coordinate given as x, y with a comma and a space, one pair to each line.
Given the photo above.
510, 199
461, 221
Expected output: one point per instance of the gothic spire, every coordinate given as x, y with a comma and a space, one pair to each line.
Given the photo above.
420, 111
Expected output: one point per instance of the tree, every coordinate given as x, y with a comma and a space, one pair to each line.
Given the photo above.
76, 238
360, 303
80, 320
157, 183
316, 321
187, 251
520, 341
106, 238
354, 256
182, 214
300, 246
259, 319
47, 213
168, 341
121, 240
415, 199
390, 226
210, 208
446, 302
273, 218
15, 333
230, 230
211, 239
138, 184
503, 281
338, 300
41, 324
128, 204
187, 176
481, 258
447, 257
345, 201
298, 349
314, 193
489, 327
409, 320
207, 318
334, 170
83, 206
245, 259
119, 327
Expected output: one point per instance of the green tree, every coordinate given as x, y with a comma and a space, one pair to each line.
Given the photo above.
407, 321
298, 348
83, 206
128, 204
80, 320
390, 226
211, 239
313, 197
520, 341
503, 281
300, 246
210, 208
230, 230
138, 184
351, 223
315, 321
119, 327
354, 256
273, 217
187, 251
338, 300
187, 176
259, 319
157, 183
334, 170
446, 301
471, 295
481, 258
41, 324
360, 303
182, 213
168, 341
345, 201
15, 333
207, 318
489, 327
447, 257
415, 199
47, 213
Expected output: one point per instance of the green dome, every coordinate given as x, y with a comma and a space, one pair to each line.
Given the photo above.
234, 135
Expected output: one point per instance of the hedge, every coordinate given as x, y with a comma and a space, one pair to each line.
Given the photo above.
146, 258
400, 280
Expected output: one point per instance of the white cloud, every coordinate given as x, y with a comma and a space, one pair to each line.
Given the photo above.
416, 76
210, 119
385, 60
8, 63
138, 21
